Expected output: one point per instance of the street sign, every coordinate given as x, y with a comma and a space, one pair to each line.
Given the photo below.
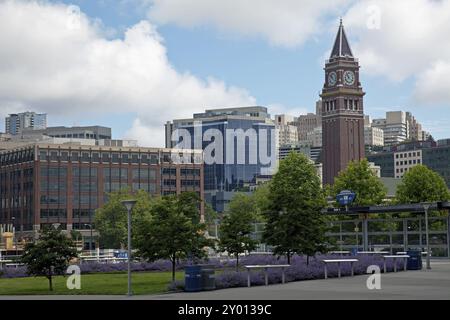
346, 197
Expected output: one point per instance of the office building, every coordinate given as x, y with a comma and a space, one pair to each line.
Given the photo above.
395, 161
16, 123
87, 132
400, 126
241, 143
287, 132
43, 184
342, 110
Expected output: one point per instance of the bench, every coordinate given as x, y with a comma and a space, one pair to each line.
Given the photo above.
373, 252
405, 257
338, 261
266, 268
339, 252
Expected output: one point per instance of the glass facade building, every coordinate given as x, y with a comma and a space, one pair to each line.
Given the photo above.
247, 137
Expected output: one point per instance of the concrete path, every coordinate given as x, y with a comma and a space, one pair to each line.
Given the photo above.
423, 284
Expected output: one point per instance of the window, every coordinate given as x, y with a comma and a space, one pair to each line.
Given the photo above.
170, 182
125, 158
169, 171
124, 173
43, 155
53, 155
115, 173
105, 157
75, 156
95, 157
135, 158
64, 156
85, 157
115, 158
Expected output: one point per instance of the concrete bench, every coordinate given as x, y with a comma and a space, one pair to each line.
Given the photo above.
266, 268
405, 257
339, 252
373, 252
338, 261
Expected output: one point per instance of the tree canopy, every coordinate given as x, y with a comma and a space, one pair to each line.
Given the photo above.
174, 230
421, 184
236, 226
50, 255
294, 223
111, 219
359, 178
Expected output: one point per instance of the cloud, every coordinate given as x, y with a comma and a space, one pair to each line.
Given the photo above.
409, 43
58, 61
282, 22
394, 39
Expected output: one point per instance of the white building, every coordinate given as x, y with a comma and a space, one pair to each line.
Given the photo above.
405, 160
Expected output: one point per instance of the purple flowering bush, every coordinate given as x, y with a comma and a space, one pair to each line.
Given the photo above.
227, 277
298, 271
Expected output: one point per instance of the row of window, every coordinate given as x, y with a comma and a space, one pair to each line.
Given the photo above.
114, 173
408, 162
407, 155
349, 104
88, 156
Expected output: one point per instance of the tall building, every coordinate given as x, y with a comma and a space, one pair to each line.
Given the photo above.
398, 127
395, 127
239, 145
373, 136
287, 132
306, 124
414, 128
16, 123
42, 184
342, 110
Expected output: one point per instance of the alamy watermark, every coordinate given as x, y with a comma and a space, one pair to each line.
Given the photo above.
74, 280
230, 146
374, 280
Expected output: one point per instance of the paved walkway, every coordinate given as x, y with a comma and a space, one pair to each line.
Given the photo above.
423, 284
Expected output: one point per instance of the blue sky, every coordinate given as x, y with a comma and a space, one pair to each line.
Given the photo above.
287, 75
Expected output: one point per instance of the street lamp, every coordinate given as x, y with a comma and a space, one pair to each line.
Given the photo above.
426, 207
129, 204
13, 219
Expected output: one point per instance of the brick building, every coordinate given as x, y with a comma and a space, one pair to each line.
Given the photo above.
43, 184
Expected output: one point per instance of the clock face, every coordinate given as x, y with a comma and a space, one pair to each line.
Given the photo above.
332, 78
349, 78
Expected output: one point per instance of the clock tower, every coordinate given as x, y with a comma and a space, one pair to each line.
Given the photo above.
342, 110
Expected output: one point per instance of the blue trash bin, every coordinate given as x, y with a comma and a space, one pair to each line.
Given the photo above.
414, 260
193, 278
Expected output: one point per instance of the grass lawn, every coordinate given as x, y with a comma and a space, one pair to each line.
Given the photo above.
99, 284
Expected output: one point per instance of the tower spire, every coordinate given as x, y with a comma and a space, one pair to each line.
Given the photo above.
341, 46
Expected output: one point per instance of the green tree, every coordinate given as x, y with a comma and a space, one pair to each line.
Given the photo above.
294, 222
359, 178
173, 230
111, 220
261, 201
236, 227
50, 255
421, 184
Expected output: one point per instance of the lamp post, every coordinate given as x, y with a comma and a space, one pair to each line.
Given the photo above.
13, 220
129, 204
426, 207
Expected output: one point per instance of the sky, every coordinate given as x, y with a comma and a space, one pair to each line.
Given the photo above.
135, 64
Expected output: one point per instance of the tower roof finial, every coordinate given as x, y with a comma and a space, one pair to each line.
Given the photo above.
341, 46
